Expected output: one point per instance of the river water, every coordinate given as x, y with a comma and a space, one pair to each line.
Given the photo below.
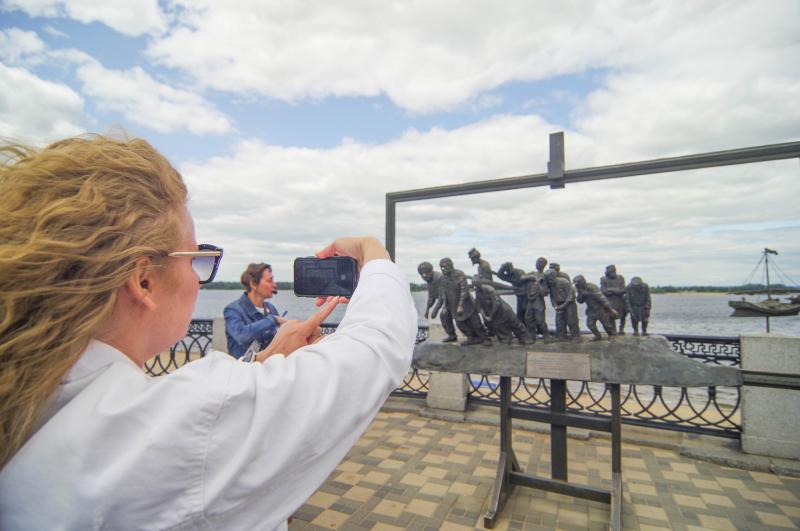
705, 314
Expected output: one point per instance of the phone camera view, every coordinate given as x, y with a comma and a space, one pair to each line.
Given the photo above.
320, 277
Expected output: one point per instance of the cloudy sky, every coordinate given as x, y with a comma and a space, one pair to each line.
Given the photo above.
290, 121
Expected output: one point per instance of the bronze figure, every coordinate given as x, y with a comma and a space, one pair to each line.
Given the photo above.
638, 303
434, 280
513, 276
454, 292
535, 291
613, 287
497, 314
484, 269
557, 268
597, 307
562, 297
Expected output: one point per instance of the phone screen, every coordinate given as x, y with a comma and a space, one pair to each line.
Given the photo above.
322, 277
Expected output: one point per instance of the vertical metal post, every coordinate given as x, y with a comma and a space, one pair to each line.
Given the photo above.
555, 166
616, 431
558, 434
507, 463
615, 523
390, 225
505, 416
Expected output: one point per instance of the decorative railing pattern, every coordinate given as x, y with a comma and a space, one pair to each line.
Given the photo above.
193, 346
711, 411
719, 350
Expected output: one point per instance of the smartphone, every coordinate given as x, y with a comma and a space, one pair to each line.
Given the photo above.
336, 276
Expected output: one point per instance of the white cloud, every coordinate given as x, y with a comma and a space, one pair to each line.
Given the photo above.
271, 203
50, 30
125, 16
425, 56
133, 93
726, 80
143, 100
20, 47
429, 56
34, 110
674, 78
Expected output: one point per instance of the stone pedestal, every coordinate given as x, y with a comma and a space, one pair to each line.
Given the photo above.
218, 339
769, 416
447, 391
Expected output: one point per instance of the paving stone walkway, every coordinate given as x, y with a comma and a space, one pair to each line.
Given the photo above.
412, 472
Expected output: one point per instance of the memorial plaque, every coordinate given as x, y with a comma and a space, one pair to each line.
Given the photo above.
559, 365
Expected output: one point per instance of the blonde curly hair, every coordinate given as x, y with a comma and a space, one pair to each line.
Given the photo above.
74, 218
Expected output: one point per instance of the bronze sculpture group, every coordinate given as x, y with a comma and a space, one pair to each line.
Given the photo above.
488, 315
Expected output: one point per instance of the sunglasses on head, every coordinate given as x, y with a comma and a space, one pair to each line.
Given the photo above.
205, 261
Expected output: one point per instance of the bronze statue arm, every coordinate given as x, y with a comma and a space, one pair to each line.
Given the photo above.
463, 291
436, 307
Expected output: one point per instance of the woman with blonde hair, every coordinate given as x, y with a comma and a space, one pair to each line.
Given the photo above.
99, 271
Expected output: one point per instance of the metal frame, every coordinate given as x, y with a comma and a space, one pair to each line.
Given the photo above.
558, 177
510, 474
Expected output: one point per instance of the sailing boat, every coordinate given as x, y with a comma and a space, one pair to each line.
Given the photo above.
771, 306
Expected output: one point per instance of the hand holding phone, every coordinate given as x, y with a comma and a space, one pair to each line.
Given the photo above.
297, 334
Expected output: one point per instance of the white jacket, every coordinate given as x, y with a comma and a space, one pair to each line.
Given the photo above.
217, 444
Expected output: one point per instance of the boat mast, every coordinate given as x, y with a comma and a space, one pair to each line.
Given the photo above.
768, 252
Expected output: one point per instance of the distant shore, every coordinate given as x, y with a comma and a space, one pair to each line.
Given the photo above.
660, 290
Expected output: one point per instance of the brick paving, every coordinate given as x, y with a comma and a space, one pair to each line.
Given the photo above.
412, 472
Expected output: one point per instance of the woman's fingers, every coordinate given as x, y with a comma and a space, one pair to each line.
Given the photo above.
326, 252
323, 300
318, 318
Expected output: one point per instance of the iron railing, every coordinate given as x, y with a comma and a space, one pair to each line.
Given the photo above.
197, 342
193, 346
710, 411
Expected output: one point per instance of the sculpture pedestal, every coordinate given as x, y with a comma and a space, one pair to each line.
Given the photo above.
447, 391
768, 415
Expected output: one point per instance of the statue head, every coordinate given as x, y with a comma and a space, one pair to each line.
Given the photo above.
611, 271
446, 265
507, 267
425, 269
550, 275
579, 281
474, 255
637, 283
540, 263
555, 267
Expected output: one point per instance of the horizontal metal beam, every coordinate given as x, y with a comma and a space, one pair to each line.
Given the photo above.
573, 420
561, 487
787, 150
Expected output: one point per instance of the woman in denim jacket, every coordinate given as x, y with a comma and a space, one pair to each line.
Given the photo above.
252, 317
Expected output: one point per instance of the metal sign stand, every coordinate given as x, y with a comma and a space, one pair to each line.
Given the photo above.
510, 474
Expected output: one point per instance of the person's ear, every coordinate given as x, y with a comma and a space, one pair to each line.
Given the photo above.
139, 285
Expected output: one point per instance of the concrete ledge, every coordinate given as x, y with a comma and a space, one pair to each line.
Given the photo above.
734, 458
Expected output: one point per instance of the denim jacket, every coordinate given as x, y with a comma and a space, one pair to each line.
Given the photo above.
245, 324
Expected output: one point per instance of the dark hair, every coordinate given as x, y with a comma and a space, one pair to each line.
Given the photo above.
424, 266
253, 274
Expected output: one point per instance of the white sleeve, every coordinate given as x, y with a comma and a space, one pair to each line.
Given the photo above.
285, 425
